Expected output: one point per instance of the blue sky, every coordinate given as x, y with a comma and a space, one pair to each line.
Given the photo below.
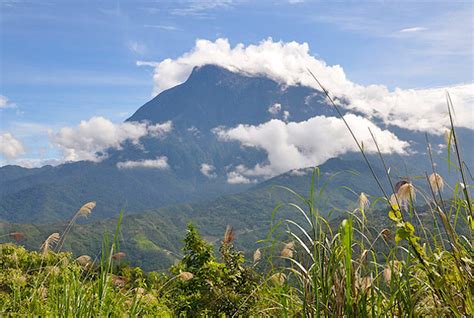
66, 61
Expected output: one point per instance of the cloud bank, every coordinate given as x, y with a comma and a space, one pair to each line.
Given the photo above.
90, 139
158, 163
295, 145
287, 63
10, 147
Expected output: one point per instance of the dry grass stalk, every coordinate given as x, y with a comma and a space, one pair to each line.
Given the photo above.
52, 239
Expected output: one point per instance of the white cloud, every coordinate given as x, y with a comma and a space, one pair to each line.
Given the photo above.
234, 177
137, 47
412, 30
308, 143
162, 27
6, 103
199, 7
286, 115
287, 63
160, 130
89, 139
208, 170
274, 109
158, 163
10, 147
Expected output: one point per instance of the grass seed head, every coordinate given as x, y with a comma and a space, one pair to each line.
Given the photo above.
278, 278
363, 201
257, 255
229, 235
118, 255
436, 182
406, 194
86, 209
84, 260
185, 276
287, 252
50, 241
17, 236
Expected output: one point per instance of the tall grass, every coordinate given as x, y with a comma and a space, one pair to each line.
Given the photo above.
359, 271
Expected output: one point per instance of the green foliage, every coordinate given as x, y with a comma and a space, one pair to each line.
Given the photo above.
215, 288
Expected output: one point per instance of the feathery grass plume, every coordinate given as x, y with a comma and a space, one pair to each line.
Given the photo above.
406, 193
363, 201
363, 283
394, 202
436, 182
290, 245
387, 274
447, 136
278, 278
118, 255
386, 234
42, 293
286, 252
17, 236
52, 239
399, 184
84, 260
118, 281
84, 211
229, 235
185, 276
257, 255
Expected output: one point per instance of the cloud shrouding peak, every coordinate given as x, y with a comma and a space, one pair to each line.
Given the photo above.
10, 147
89, 139
308, 143
158, 163
287, 63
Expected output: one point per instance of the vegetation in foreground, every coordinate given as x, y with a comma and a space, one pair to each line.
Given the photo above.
306, 268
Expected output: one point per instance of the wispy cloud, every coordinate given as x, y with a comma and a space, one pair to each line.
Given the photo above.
162, 27
412, 30
137, 47
199, 7
158, 163
6, 103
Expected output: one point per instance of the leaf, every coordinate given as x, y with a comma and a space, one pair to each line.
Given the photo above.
395, 215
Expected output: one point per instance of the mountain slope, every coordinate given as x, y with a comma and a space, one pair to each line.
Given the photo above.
210, 98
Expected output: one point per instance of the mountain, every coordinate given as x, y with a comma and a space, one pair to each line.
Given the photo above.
211, 97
